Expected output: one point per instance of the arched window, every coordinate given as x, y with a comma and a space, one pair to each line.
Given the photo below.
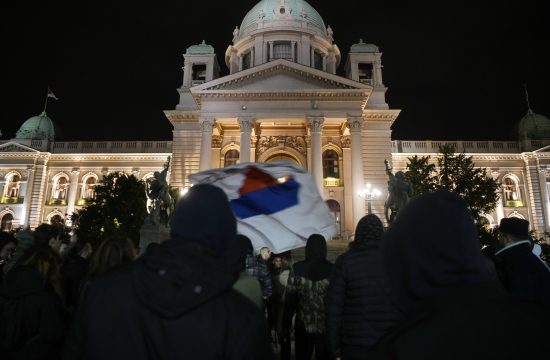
231, 158
7, 222
334, 208
59, 189
88, 188
13, 183
511, 192
331, 167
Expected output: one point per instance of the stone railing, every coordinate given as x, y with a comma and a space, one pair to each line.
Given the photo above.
112, 147
412, 146
332, 182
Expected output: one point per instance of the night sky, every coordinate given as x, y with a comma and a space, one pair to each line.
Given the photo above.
456, 69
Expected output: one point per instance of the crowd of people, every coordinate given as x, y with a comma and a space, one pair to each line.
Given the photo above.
421, 289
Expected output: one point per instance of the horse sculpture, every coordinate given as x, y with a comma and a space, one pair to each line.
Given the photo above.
399, 190
162, 203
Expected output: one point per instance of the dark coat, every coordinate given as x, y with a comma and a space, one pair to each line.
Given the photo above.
476, 322
359, 309
523, 275
32, 315
455, 307
176, 301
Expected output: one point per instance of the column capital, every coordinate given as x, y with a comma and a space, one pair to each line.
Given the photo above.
355, 123
206, 123
245, 123
315, 123
75, 171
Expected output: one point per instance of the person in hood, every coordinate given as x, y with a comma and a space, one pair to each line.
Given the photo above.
8, 245
306, 296
454, 307
176, 301
359, 308
245, 284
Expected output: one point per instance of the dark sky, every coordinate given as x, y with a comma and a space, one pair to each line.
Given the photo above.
456, 69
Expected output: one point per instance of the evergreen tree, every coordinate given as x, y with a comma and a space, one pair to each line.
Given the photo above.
456, 173
119, 208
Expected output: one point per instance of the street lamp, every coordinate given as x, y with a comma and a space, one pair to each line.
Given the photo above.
369, 193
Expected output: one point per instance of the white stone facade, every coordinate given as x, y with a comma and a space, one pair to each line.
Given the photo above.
282, 100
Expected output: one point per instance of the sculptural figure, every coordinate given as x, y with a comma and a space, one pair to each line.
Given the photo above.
158, 193
399, 192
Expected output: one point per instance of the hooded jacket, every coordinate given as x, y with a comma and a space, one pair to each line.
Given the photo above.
307, 287
359, 303
176, 301
455, 308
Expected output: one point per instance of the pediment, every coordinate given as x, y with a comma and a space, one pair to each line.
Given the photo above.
12, 146
280, 76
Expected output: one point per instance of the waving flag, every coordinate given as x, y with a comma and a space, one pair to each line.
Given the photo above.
276, 204
51, 94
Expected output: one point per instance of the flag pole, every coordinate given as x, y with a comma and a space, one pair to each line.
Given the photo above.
46, 101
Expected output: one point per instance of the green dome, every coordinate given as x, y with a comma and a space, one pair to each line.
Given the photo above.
362, 47
534, 126
299, 8
202, 48
37, 128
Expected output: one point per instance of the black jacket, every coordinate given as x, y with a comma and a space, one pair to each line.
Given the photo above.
359, 302
33, 319
176, 301
523, 275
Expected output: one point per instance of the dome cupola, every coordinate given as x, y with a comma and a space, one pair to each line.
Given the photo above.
39, 127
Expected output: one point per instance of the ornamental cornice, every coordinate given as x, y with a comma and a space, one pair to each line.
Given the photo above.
229, 95
476, 156
179, 116
381, 115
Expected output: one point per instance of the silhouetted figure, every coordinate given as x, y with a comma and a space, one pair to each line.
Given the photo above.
454, 308
306, 296
359, 309
521, 272
176, 301
32, 324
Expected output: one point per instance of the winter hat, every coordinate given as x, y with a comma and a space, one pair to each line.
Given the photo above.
204, 216
515, 226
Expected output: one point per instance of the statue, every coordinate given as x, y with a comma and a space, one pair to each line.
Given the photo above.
158, 193
399, 190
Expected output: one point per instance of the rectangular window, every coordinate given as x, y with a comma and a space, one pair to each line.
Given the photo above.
247, 60
365, 73
317, 60
282, 50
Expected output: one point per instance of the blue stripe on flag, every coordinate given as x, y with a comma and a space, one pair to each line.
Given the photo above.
266, 201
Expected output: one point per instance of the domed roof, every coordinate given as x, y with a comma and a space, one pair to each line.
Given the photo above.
534, 126
37, 128
266, 10
202, 48
362, 47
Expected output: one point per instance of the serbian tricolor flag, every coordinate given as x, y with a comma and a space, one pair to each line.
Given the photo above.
276, 204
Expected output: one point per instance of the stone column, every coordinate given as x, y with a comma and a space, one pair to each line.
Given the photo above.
206, 124
355, 124
73, 191
270, 55
245, 123
292, 50
315, 124
499, 209
28, 196
544, 195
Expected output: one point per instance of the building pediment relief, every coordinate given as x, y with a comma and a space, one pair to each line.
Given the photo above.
13, 147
